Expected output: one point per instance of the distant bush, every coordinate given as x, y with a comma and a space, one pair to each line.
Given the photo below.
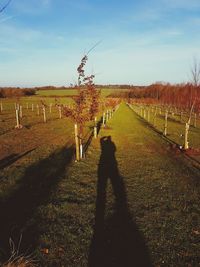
16, 92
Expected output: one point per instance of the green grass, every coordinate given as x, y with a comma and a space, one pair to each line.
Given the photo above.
152, 220
69, 92
176, 130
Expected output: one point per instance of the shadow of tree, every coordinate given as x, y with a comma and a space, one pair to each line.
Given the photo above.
116, 240
7, 161
35, 188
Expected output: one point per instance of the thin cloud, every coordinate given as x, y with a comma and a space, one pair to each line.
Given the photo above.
6, 18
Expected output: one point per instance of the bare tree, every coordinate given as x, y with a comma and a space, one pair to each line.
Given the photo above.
5, 6
195, 72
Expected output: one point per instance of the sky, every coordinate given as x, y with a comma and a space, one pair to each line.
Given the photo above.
141, 42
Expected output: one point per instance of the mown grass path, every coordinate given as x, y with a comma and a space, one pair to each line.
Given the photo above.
131, 202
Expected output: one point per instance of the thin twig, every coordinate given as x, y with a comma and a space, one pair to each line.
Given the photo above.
93, 47
4, 7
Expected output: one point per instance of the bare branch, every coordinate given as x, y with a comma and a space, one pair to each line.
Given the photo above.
195, 72
5, 6
93, 47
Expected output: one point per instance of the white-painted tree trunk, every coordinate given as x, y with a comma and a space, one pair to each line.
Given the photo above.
60, 112
165, 125
148, 115
77, 142
104, 118
181, 116
95, 127
107, 116
186, 143
44, 114
18, 125
20, 112
195, 120
38, 110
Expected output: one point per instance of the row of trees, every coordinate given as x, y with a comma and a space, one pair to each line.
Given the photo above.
16, 92
181, 96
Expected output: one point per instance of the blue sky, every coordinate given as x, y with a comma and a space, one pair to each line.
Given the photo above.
42, 41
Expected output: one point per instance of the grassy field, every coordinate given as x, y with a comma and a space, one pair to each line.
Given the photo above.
176, 130
104, 92
132, 201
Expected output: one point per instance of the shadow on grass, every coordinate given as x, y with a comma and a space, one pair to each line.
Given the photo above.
89, 139
7, 161
116, 239
35, 189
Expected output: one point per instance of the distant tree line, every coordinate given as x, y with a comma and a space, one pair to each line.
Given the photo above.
16, 92
179, 95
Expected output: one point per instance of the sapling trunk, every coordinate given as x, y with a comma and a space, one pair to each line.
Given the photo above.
1, 107
26, 105
32, 107
50, 108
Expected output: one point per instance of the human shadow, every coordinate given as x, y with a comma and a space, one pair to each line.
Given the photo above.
33, 190
116, 240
